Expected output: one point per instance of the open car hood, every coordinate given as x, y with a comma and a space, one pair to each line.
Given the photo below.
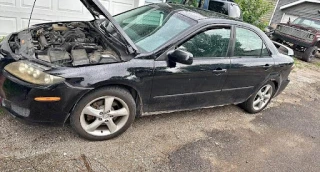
97, 9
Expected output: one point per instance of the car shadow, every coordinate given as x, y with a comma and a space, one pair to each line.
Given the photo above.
57, 133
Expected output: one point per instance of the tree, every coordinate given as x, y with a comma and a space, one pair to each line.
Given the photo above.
254, 10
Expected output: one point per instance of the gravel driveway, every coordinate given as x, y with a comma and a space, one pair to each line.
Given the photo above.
284, 137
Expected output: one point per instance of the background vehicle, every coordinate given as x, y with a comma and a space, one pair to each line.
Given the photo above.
152, 59
227, 7
303, 34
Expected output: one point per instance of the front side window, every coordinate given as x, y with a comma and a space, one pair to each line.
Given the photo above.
150, 27
249, 43
211, 43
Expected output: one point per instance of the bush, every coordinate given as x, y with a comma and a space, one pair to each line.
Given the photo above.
254, 10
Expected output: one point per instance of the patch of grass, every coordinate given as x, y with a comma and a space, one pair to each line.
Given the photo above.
298, 63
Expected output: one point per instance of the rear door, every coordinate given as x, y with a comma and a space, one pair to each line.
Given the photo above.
196, 85
251, 65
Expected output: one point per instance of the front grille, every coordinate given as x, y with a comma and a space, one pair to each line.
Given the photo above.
295, 32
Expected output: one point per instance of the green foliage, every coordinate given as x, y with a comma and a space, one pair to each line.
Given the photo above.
191, 3
297, 63
1, 38
254, 10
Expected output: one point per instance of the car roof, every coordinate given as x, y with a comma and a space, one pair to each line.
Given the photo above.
192, 12
200, 15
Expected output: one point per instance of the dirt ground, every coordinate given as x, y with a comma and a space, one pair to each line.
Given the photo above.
284, 137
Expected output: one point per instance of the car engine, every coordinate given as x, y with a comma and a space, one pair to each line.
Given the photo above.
66, 44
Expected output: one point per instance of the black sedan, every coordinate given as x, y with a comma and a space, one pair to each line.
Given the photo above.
101, 74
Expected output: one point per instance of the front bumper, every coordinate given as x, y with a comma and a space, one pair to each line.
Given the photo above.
18, 96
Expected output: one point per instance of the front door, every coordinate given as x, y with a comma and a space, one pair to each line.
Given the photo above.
196, 85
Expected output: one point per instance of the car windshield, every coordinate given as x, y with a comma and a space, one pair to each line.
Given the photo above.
307, 23
150, 27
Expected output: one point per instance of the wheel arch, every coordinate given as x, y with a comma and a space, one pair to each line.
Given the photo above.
276, 85
274, 79
132, 90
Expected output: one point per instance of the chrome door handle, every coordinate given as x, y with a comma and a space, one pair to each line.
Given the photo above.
267, 67
219, 71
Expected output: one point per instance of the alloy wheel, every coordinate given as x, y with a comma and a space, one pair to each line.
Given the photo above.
263, 97
104, 116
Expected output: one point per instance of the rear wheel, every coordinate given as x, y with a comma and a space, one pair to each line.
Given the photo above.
310, 53
260, 99
104, 114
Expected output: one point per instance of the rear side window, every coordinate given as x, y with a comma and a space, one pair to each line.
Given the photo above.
249, 43
210, 43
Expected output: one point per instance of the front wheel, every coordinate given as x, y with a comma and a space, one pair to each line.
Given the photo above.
104, 114
260, 99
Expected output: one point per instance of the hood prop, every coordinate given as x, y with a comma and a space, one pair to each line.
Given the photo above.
34, 3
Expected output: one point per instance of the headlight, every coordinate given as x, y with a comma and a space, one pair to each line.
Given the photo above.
311, 36
32, 74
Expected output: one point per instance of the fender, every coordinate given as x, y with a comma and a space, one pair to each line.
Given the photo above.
274, 77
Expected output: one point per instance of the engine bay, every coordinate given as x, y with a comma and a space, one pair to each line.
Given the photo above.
64, 44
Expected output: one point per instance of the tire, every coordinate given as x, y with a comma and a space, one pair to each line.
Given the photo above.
309, 54
318, 54
94, 121
249, 106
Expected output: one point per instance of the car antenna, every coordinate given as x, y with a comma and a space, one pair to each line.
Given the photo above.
34, 3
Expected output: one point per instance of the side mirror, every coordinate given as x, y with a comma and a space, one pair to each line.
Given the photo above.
180, 56
283, 49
